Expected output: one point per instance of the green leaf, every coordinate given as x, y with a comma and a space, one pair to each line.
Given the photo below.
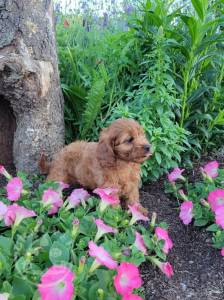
22, 289
6, 245
199, 8
59, 253
158, 158
213, 228
200, 222
192, 25
45, 242
87, 226
148, 242
93, 105
6, 287
21, 265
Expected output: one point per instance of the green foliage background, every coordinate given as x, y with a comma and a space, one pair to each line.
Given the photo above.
164, 69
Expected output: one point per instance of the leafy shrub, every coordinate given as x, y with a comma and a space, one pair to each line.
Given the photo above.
83, 236
152, 104
172, 54
96, 67
203, 201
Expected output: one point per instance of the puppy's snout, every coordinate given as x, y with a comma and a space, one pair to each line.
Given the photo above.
146, 148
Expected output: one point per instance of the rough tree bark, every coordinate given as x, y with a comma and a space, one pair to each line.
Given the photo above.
31, 102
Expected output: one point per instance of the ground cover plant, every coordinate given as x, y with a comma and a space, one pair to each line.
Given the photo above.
162, 65
202, 202
77, 246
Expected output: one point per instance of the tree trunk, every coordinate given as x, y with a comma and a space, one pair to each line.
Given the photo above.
31, 102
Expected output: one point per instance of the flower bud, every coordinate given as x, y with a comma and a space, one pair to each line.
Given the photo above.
81, 264
75, 227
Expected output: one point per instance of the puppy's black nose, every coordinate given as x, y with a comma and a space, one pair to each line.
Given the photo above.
147, 148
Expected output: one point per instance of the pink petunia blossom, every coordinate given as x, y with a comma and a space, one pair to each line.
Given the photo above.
14, 188
102, 228
16, 213
131, 297
127, 278
4, 172
210, 170
57, 284
102, 257
108, 197
176, 174
62, 185
219, 216
139, 243
52, 198
167, 269
162, 234
136, 214
222, 251
186, 212
216, 199
77, 196
4, 296
3, 210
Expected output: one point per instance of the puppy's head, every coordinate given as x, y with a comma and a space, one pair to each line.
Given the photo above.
125, 140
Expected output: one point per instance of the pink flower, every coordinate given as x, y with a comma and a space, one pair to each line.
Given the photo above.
131, 297
219, 216
102, 257
186, 212
136, 214
57, 284
167, 269
52, 199
15, 214
3, 210
4, 172
211, 169
108, 197
127, 278
222, 251
176, 174
4, 296
216, 199
14, 188
102, 228
139, 243
66, 23
77, 196
162, 234
63, 185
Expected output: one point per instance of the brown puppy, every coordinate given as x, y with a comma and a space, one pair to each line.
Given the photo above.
112, 162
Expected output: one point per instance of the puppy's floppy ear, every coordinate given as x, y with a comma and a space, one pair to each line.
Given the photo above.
105, 153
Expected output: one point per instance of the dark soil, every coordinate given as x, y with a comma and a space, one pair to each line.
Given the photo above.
198, 268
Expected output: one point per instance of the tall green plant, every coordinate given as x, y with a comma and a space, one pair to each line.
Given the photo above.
201, 71
97, 67
152, 104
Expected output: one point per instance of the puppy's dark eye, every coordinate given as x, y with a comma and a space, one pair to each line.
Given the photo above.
130, 140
